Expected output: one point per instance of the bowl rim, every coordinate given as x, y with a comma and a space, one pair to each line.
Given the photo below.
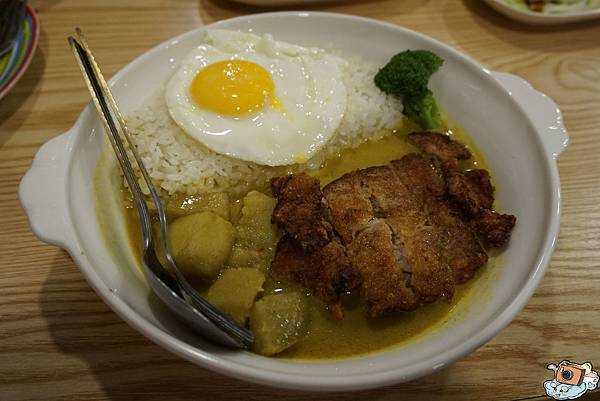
325, 383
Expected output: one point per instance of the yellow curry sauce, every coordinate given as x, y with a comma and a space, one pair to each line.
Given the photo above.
356, 334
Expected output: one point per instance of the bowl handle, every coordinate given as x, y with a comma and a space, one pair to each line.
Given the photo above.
541, 109
42, 192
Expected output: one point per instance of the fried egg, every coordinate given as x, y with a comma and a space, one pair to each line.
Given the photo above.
257, 99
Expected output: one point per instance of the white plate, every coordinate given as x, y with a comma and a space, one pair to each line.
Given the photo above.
520, 146
535, 18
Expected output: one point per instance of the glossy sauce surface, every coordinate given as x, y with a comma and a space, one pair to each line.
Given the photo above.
356, 334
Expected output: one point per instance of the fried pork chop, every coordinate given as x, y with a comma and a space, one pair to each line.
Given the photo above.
299, 210
470, 190
326, 271
403, 234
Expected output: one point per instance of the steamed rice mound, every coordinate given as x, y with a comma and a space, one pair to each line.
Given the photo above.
179, 164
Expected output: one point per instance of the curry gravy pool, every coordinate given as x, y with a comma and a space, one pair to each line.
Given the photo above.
357, 334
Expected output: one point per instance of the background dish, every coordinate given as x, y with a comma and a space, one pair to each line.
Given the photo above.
520, 153
286, 3
14, 63
534, 18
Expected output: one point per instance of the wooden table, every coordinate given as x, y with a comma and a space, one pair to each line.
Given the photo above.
59, 341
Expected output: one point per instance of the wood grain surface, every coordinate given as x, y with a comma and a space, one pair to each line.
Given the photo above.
58, 341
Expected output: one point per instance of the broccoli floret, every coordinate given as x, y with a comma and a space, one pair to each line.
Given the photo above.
407, 75
423, 110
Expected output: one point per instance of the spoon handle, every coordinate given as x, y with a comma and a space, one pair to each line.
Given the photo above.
109, 111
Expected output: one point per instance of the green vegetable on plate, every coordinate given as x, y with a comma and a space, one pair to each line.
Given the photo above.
406, 76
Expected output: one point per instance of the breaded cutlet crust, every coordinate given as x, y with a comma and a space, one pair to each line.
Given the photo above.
494, 228
384, 286
404, 234
440, 146
325, 271
299, 210
472, 190
349, 206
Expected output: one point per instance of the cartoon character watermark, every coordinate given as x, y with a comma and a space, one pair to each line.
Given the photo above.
571, 380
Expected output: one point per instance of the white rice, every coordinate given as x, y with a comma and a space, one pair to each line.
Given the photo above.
179, 164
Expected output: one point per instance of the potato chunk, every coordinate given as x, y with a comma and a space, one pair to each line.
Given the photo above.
216, 202
234, 292
244, 257
255, 236
235, 211
254, 227
278, 321
201, 244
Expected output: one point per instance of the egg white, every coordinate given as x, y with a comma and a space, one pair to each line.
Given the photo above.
308, 83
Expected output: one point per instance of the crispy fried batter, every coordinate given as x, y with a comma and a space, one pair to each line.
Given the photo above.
471, 190
455, 244
390, 198
300, 210
416, 247
432, 277
404, 233
349, 206
458, 244
398, 196
440, 146
421, 177
494, 228
384, 288
326, 271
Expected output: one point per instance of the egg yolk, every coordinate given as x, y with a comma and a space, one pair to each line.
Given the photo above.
234, 88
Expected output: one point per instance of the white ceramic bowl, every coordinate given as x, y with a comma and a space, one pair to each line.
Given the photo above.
518, 129
536, 18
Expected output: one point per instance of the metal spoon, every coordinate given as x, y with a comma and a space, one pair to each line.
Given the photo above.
168, 284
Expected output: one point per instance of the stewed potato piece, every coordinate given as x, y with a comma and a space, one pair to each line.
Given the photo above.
235, 211
254, 227
278, 321
235, 291
255, 236
201, 244
216, 202
245, 257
